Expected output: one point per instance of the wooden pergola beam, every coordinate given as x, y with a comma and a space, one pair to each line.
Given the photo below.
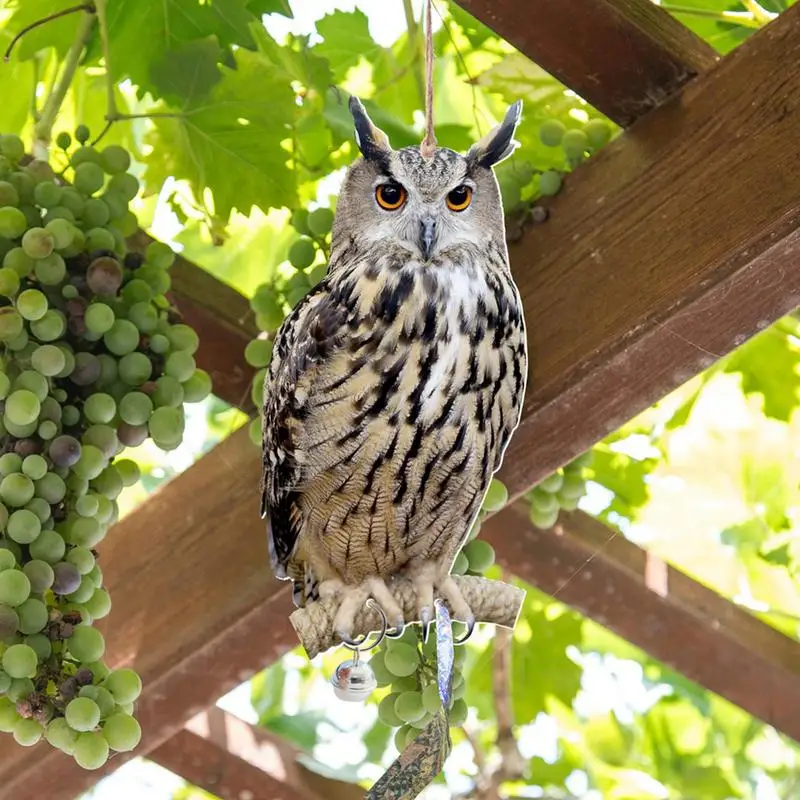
235, 761
670, 616
625, 57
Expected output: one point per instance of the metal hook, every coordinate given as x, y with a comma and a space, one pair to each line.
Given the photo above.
356, 646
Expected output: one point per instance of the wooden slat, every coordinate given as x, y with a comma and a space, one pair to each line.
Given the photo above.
672, 246
659, 609
195, 608
625, 57
236, 761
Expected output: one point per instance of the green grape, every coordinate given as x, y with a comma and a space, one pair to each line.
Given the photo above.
12, 222
19, 660
82, 134
9, 196
386, 712
458, 713
32, 616
430, 698
71, 200
267, 308
40, 645
157, 279
144, 316
198, 387
408, 707
254, 431
95, 213
160, 255
166, 424
135, 369
159, 343
597, 133
90, 749
258, 353
82, 558
99, 318
47, 195
128, 471
27, 732
122, 732
48, 359
37, 243
99, 604
182, 337
257, 388
21, 689
135, 408
16, 490
87, 644
574, 486
34, 466
40, 574
50, 327
300, 221
10, 463
49, 547
124, 184
459, 686
124, 684
24, 527
460, 565
82, 713
8, 715
90, 464
5, 683
51, 270
480, 555
86, 532
574, 143
22, 407
39, 507
543, 501
302, 253
7, 560
60, 735
123, 338
549, 183
320, 221
86, 587
32, 304
543, 519
100, 239
11, 147
496, 496
86, 506
378, 665
62, 231
24, 184
89, 177
9, 282
401, 659
552, 483
115, 159
18, 260
5, 385
63, 140
108, 483
100, 408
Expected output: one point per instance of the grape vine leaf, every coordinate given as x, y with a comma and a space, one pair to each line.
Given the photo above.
141, 32
188, 72
16, 87
270, 7
346, 41
295, 65
58, 33
231, 143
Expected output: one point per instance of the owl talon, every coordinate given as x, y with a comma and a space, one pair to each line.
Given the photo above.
425, 620
470, 623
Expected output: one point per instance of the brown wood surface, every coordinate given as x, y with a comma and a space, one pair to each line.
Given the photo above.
670, 616
195, 608
672, 246
625, 57
236, 761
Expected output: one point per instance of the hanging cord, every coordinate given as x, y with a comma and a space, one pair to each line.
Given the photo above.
428, 146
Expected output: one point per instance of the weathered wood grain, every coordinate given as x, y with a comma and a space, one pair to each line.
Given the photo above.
625, 57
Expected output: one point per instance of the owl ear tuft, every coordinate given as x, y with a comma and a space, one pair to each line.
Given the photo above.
499, 142
371, 140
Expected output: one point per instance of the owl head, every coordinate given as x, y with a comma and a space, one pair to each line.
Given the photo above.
427, 205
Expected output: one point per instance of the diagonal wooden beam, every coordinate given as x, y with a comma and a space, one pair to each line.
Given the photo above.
625, 57
670, 616
236, 761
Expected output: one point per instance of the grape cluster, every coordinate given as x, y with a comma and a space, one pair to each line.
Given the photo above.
92, 359
521, 184
563, 489
408, 667
272, 301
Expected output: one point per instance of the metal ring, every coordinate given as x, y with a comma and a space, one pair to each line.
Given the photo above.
356, 645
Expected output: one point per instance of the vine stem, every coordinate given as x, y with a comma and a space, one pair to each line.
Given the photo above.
49, 18
44, 127
413, 30
428, 146
102, 20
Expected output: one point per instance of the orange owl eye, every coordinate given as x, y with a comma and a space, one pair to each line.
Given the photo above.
459, 198
390, 196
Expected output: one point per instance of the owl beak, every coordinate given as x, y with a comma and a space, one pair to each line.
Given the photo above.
427, 236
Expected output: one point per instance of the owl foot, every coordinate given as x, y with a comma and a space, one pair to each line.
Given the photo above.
354, 597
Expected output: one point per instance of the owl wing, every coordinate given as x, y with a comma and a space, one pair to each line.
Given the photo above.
305, 342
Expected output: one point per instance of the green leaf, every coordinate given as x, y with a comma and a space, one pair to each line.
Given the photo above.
295, 64
266, 691
16, 89
376, 740
608, 740
347, 41
187, 74
232, 142
300, 729
142, 32
58, 33
770, 366
477, 33
270, 7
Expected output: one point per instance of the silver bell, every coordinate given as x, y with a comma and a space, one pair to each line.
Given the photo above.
354, 680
